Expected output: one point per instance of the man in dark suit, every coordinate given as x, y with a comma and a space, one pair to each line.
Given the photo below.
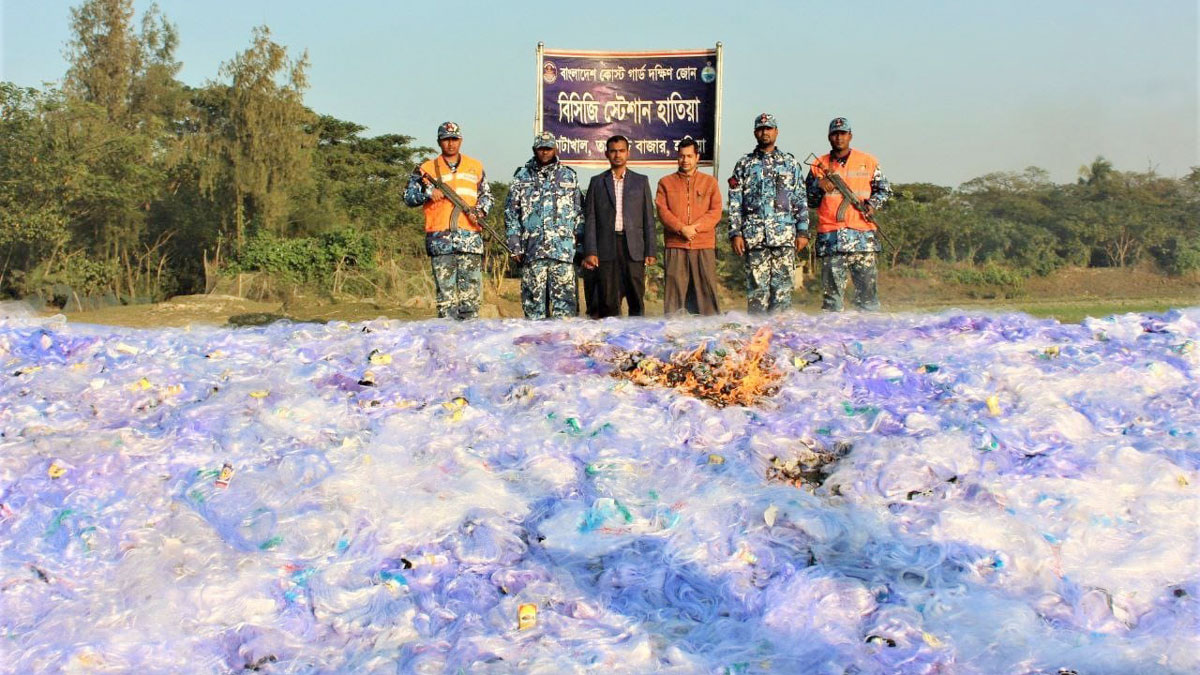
619, 233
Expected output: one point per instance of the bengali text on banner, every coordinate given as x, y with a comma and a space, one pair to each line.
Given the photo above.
654, 99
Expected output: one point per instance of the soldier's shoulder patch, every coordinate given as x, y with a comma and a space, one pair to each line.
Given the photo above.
733, 182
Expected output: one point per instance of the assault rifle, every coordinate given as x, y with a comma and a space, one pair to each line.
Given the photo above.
460, 207
848, 197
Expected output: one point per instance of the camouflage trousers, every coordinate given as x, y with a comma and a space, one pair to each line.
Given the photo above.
769, 279
548, 289
859, 268
458, 278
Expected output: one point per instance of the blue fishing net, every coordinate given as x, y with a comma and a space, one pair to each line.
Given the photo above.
917, 493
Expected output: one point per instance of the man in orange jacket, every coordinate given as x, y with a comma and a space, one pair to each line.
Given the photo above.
453, 239
689, 206
847, 240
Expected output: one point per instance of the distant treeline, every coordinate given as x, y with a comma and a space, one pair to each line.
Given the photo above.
126, 182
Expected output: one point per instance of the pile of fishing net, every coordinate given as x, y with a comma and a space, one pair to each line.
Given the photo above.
874, 494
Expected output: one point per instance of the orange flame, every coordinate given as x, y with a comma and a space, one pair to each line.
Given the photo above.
742, 376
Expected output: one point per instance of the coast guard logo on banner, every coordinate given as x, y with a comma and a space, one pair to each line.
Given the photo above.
709, 74
549, 72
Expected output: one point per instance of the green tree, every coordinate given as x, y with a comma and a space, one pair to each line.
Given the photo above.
103, 55
257, 151
33, 220
129, 75
1018, 216
911, 219
1127, 213
361, 179
116, 123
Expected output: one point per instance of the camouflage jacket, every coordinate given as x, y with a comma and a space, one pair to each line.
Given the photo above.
449, 241
767, 204
543, 218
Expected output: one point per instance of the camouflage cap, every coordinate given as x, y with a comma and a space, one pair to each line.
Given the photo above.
765, 120
545, 139
839, 124
449, 130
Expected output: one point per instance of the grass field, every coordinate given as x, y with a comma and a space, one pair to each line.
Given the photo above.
1068, 295
1069, 310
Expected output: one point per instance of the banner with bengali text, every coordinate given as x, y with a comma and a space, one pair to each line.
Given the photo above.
654, 99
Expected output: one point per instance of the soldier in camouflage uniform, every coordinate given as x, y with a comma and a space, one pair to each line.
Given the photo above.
847, 240
453, 239
544, 225
768, 218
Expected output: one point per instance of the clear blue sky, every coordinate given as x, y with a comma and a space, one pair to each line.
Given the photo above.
939, 91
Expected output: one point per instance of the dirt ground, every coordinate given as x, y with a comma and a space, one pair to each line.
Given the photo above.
1068, 295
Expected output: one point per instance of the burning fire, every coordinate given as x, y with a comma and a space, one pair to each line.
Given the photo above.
721, 376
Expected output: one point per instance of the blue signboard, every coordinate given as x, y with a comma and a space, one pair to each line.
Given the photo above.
655, 99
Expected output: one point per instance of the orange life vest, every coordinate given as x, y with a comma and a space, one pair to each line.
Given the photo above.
857, 172
464, 181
